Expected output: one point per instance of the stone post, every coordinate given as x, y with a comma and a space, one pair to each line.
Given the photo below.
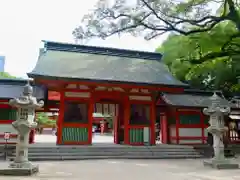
217, 111
26, 105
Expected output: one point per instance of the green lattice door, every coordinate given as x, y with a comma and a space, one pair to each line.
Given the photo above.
75, 135
75, 127
8, 114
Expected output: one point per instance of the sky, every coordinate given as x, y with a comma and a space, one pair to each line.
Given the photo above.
24, 24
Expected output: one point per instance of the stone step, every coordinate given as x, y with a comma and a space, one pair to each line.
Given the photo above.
111, 150
102, 151
47, 158
102, 146
116, 147
109, 153
107, 150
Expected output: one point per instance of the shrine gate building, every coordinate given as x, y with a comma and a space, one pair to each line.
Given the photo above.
182, 119
88, 77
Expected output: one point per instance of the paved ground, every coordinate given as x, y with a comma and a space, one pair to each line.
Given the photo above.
128, 170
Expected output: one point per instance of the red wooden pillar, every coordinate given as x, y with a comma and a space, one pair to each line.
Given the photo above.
126, 109
164, 128
60, 118
153, 121
115, 124
177, 126
115, 129
90, 117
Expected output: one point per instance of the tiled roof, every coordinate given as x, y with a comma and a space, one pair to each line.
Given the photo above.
192, 100
102, 64
13, 88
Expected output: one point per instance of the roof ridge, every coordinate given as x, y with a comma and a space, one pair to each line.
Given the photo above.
59, 46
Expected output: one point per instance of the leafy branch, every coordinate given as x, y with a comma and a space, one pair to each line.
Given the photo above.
151, 18
229, 49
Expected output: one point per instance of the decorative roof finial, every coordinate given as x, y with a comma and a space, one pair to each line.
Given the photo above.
215, 99
28, 89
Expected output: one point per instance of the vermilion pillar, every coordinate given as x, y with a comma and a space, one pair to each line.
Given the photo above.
153, 120
126, 105
164, 128
60, 118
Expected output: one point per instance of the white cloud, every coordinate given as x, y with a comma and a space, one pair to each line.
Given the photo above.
25, 23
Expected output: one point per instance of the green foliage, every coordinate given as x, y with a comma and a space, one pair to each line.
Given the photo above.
180, 53
43, 119
6, 75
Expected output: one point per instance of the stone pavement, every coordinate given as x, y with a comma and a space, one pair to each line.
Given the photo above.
128, 170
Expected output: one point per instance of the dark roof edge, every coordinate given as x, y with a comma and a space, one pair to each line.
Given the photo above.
32, 75
187, 107
201, 91
184, 106
58, 46
20, 82
17, 80
197, 92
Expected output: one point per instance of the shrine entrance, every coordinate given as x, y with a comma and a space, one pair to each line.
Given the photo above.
111, 107
90, 119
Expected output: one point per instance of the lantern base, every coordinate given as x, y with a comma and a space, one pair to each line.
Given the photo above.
220, 164
15, 169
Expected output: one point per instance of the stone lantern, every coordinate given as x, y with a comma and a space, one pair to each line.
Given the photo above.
217, 110
26, 105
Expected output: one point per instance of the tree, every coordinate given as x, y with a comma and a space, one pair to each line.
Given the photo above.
220, 73
43, 120
6, 75
152, 18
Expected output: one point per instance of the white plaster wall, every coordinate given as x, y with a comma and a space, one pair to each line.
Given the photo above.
205, 132
7, 128
11, 140
140, 98
77, 94
71, 86
189, 132
190, 141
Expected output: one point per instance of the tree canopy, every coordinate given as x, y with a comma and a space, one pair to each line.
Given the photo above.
220, 73
152, 18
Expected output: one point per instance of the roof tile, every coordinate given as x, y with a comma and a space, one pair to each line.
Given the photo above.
92, 66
